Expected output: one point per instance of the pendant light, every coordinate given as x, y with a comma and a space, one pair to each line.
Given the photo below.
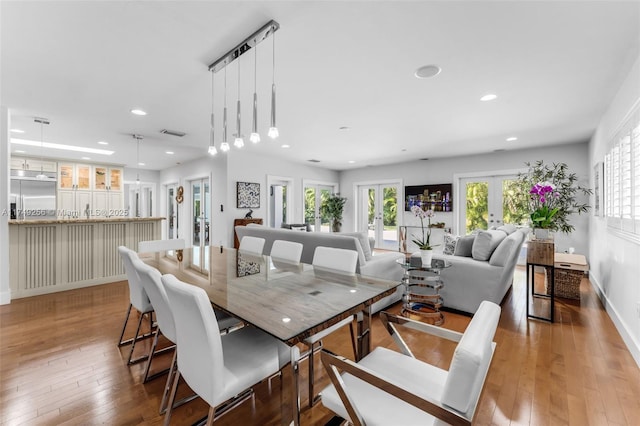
273, 130
137, 138
255, 136
212, 143
224, 146
42, 122
239, 141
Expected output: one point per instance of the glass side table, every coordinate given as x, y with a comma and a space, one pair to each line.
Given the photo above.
422, 288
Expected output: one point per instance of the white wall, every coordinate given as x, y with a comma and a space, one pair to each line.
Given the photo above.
442, 170
615, 260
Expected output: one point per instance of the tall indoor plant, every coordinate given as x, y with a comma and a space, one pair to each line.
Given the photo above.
333, 208
550, 194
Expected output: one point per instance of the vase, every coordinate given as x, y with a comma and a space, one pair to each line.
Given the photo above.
543, 234
425, 257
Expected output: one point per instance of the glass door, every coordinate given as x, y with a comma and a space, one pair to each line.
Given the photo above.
200, 207
378, 213
488, 201
314, 197
172, 212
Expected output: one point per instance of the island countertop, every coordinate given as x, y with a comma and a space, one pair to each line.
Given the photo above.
79, 220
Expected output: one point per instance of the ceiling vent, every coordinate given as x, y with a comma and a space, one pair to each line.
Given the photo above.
172, 133
313, 161
424, 159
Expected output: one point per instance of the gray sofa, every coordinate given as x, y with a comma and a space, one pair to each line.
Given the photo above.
378, 265
482, 268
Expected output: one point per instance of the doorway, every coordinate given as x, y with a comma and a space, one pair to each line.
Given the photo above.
378, 207
280, 201
200, 223
315, 194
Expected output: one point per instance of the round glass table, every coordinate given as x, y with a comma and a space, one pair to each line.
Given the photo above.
422, 288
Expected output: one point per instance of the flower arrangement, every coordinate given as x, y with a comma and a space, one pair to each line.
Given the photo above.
550, 195
423, 244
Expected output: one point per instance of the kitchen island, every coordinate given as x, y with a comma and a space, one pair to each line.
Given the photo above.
47, 256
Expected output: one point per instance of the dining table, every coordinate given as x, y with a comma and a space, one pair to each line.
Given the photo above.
289, 301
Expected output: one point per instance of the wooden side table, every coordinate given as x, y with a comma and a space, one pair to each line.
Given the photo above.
242, 222
541, 253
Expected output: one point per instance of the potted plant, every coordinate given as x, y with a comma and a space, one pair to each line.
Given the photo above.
549, 194
332, 209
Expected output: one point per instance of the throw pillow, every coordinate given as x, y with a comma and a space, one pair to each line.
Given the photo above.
363, 238
449, 245
505, 249
485, 243
508, 228
464, 245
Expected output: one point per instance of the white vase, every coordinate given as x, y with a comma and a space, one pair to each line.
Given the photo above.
425, 257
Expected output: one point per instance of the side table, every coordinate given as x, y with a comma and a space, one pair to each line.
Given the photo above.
422, 288
541, 253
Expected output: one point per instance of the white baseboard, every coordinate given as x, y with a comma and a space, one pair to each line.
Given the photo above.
5, 297
632, 344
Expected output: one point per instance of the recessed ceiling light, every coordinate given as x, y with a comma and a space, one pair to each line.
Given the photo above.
103, 143
137, 111
19, 151
169, 152
511, 139
140, 164
51, 145
351, 161
86, 158
285, 146
427, 71
488, 97
17, 131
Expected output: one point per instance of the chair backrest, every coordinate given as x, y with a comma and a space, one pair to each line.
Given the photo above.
471, 360
253, 245
199, 346
151, 280
288, 251
154, 246
137, 296
336, 259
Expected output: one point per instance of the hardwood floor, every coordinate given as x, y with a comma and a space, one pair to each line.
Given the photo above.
59, 364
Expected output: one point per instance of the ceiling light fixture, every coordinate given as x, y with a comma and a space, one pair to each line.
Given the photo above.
137, 111
273, 130
50, 145
239, 141
247, 44
488, 97
17, 131
285, 146
169, 152
103, 143
427, 71
255, 136
19, 151
212, 143
511, 139
42, 122
138, 138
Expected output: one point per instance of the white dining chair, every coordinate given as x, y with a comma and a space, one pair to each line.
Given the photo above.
339, 261
388, 387
139, 300
252, 245
287, 251
217, 367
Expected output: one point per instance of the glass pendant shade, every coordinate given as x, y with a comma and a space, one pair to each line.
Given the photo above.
273, 130
239, 141
255, 136
212, 146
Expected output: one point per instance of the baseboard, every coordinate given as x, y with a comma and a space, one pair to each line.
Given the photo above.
632, 344
5, 297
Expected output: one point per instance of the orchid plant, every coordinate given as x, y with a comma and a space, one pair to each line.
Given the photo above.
424, 243
544, 200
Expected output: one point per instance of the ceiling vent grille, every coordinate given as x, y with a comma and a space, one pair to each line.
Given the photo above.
172, 133
313, 161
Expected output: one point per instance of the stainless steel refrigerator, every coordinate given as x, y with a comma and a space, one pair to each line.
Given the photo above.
33, 195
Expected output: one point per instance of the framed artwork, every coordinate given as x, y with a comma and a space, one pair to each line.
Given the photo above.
598, 183
247, 195
438, 198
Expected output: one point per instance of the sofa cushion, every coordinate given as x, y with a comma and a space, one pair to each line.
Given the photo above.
508, 228
363, 238
485, 243
464, 245
449, 245
504, 251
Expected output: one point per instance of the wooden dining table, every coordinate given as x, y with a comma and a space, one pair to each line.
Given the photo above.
288, 301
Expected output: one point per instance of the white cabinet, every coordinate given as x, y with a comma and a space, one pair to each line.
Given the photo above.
107, 178
24, 163
74, 203
108, 204
73, 176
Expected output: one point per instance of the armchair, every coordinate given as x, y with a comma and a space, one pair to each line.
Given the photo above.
388, 387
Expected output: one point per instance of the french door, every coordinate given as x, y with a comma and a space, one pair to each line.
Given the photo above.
200, 215
378, 213
487, 201
314, 196
171, 223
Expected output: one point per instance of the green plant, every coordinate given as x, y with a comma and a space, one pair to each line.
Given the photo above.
332, 208
549, 193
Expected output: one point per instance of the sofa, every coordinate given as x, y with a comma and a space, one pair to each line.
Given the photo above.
482, 267
377, 265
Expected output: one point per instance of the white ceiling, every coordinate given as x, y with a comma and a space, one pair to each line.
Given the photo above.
555, 67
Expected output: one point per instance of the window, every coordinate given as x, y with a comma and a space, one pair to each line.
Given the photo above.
622, 177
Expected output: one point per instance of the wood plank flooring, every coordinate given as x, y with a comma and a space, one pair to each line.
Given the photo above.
59, 364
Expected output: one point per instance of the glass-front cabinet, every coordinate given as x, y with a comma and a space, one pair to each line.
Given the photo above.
74, 176
107, 178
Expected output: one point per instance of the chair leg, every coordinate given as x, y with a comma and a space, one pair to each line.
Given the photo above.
169, 383
133, 343
124, 326
174, 388
212, 415
311, 376
145, 378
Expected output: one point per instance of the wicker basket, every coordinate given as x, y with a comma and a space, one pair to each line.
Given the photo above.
567, 283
